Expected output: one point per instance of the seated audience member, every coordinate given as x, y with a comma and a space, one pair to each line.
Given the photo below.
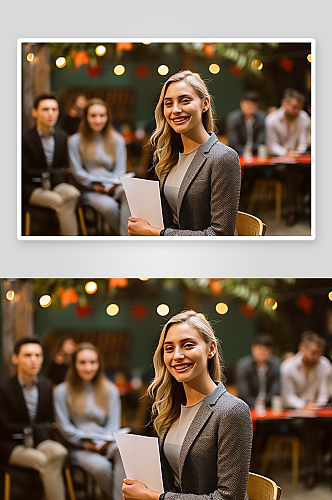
26, 418
45, 164
97, 155
73, 118
257, 375
287, 135
88, 411
246, 126
304, 385
58, 367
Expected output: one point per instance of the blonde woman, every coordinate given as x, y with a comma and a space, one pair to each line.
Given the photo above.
200, 177
88, 410
97, 158
205, 433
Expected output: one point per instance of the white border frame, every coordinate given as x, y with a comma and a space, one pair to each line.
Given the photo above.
21, 41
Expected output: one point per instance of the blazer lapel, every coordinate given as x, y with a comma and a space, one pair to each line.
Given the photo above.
194, 167
20, 399
200, 419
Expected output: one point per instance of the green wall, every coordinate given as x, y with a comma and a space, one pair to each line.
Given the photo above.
233, 329
224, 87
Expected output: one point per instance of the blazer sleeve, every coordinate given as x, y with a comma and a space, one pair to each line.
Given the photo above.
233, 460
225, 196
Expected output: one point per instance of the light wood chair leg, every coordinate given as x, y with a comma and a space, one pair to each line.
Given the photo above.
27, 223
82, 221
7, 486
70, 484
267, 456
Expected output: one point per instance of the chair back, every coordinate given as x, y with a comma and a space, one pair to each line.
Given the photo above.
249, 225
262, 488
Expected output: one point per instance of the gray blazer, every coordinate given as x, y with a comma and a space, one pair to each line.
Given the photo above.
215, 454
209, 195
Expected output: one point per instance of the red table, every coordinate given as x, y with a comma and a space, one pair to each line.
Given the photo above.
275, 160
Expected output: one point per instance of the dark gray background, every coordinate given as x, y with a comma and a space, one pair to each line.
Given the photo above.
180, 19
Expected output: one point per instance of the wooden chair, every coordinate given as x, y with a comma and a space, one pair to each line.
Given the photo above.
276, 444
249, 225
48, 214
261, 187
262, 488
8, 471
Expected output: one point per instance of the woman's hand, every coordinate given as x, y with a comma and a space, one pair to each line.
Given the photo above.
140, 227
135, 490
90, 446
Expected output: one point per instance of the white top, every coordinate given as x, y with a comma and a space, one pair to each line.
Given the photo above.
299, 386
175, 178
281, 136
176, 435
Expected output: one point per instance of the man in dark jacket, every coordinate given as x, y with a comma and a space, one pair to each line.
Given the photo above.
246, 126
26, 418
258, 375
45, 164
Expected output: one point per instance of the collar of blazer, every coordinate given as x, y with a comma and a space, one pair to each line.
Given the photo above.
203, 414
194, 167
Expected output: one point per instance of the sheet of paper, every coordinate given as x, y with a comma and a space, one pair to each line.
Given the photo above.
141, 459
144, 200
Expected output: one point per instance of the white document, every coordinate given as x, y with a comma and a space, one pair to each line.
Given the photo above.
144, 200
141, 459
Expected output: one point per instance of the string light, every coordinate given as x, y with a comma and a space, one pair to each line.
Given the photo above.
214, 68
309, 57
112, 309
10, 295
257, 64
163, 69
30, 56
144, 279
272, 303
330, 296
100, 50
45, 300
91, 287
146, 43
61, 62
119, 69
221, 308
163, 309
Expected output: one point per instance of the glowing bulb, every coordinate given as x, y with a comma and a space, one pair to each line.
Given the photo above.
257, 64
221, 308
214, 68
61, 62
91, 287
45, 300
330, 296
143, 279
202, 315
100, 50
163, 309
119, 69
146, 43
112, 309
309, 57
10, 295
163, 69
30, 56
271, 303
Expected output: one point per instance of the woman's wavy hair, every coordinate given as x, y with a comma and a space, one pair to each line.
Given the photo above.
167, 143
166, 392
75, 394
87, 143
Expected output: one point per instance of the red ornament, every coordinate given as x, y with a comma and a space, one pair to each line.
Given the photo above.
94, 70
139, 311
305, 304
117, 283
209, 50
80, 58
67, 296
246, 310
83, 311
235, 70
215, 287
142, 71
286, 64
123, 46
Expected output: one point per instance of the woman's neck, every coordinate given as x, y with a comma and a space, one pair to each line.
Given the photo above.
196, 390
194, 139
